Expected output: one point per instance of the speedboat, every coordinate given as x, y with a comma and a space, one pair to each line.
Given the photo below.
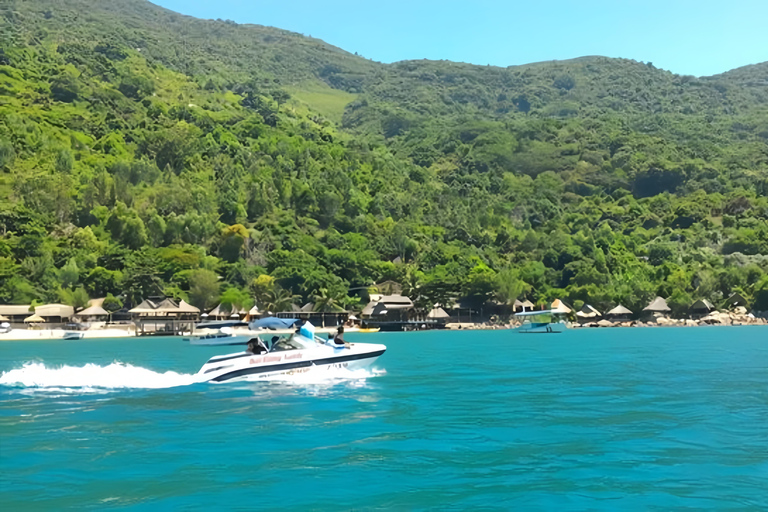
540, 322
72, 335
288, 354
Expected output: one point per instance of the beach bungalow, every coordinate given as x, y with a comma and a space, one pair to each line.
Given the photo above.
735, 301
220, 313
560, 307
438, 316
164, 317
587, 314
389, 312
657, 305
93, 314
517, 306
55, 313
701, 307
657, 308
619, 314
528, 305
15, 314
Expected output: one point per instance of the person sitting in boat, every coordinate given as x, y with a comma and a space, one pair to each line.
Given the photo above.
339, 338
256, 346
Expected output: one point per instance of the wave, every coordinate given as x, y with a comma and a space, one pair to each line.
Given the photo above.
93, 377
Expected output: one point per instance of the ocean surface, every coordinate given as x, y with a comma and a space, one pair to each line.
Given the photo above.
609, 419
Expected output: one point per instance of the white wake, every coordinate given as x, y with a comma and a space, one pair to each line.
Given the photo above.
93, 376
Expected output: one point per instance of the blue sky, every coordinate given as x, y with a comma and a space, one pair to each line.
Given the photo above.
690, 37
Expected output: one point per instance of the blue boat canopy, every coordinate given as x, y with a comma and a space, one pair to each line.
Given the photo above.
272, 322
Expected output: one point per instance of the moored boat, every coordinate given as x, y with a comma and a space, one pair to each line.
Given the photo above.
222, 336
541, 322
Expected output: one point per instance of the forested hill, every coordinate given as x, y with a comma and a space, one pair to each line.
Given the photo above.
143, 153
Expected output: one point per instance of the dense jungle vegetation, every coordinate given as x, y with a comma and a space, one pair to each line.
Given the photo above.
145, 153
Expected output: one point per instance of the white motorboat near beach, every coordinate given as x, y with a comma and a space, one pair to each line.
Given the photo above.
222, 336
224, 333
288, 354
541, 322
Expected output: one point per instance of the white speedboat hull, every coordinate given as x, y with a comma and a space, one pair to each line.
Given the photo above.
244, 366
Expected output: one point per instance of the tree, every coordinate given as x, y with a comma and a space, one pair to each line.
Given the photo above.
142, 277
279, 299
326, 301
111, 303
234, 299
509, 286
77, 297
204, 288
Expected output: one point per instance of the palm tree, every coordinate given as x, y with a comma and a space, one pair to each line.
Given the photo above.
278, 299
327, 302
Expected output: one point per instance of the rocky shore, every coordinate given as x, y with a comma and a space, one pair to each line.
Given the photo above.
738, 316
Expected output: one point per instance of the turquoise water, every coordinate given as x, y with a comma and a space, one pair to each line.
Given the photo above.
611, 419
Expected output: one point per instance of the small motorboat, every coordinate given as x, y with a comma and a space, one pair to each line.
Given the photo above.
72, 335
288, 354
541, 322
222, 336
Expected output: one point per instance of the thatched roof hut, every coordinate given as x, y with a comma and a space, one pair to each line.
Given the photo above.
93, 311
438, 314
702, 306
736, 300
657, 305
619, 311
560, 306
588, 311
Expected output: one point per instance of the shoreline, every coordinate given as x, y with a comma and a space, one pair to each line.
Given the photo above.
57, 334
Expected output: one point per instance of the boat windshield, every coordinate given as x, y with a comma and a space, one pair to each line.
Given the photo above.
293, 342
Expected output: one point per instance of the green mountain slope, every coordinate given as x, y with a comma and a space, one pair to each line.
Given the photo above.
143, 152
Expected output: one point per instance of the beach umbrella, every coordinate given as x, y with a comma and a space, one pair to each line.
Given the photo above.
34, 319
3, 319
